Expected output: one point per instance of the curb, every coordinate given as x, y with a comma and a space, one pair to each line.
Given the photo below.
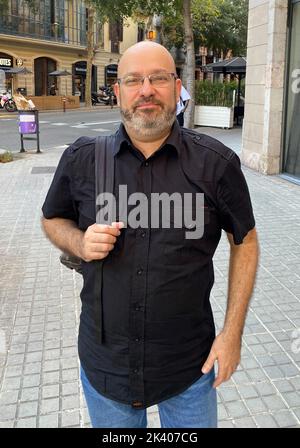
80, 109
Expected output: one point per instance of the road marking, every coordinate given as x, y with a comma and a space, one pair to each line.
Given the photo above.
43, 122
59, 124
83, 125
101, 130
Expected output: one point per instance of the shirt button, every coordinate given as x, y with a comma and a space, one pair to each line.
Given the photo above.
137, 307
143, 234
146, 163
137, 339
140, 271
135, 370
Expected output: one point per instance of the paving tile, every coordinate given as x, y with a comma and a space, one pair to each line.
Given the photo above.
50, 391
49, 405
285, 419
265, 421
70, 419
225, 424
30, 394
237, 409
48, 421
246, 422
28, 409
274, 403
27, 422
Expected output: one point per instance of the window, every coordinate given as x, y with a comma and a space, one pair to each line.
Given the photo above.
116, 35
291, 162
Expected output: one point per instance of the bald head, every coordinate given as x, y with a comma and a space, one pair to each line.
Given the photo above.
149, 55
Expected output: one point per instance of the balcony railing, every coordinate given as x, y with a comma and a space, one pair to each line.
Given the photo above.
45, 30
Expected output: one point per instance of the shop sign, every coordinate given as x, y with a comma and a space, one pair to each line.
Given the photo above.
5, 62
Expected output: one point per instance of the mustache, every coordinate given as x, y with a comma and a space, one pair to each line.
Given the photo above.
146, 101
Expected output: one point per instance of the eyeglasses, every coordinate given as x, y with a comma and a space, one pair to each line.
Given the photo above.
156, 79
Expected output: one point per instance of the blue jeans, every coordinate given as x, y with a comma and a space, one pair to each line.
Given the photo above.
196, 407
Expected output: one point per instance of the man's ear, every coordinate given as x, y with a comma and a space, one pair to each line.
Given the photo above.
178, 89
117, 92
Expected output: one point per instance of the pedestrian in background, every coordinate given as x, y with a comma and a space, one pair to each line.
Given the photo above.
182, 105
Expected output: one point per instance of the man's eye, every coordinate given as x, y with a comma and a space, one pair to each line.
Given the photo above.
160, 78
132, 81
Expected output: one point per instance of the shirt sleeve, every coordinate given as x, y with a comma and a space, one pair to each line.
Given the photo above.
59, 202
234, 201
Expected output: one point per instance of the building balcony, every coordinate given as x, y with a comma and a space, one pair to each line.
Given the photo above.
19, 26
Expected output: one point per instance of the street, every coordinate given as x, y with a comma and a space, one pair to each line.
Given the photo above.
59, 128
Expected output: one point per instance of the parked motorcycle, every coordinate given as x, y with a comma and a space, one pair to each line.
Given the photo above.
110, 93
7, 102
100, 98
105, 95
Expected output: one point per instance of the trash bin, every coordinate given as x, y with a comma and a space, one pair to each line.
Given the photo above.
29, 124
28, 121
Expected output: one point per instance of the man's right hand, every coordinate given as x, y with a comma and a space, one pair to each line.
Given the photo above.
98, 240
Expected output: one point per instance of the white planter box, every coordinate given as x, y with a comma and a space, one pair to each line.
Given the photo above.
216, 116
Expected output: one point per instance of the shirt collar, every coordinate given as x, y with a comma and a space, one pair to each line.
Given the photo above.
174, 139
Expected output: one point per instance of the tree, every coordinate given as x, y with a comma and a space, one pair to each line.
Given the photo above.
228, 30
190, 62
220, 25
91, 11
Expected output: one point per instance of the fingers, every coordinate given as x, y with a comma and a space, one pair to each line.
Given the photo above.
209, 363
99, 240
118, 225
225, 368
224, 374
104, 247
96, 256
113, 230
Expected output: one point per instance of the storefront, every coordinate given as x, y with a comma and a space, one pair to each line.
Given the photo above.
111, 74
6, 80
291, 154
79, 78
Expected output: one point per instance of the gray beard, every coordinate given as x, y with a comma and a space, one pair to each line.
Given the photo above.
143, 126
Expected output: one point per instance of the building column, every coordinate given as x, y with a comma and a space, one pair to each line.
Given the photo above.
266, 56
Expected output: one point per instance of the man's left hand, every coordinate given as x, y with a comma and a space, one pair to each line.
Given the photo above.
226, 349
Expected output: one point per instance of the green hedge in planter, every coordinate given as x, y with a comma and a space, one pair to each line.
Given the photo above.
209, 93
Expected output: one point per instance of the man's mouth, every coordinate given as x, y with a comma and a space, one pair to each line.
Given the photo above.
147, 106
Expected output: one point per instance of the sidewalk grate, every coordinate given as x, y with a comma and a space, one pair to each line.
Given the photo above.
43, 169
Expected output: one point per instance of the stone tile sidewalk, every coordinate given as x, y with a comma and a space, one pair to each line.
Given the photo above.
40, 307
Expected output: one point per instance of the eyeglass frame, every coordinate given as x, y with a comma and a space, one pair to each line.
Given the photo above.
142, 78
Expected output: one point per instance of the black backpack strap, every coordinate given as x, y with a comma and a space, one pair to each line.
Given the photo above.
104, 182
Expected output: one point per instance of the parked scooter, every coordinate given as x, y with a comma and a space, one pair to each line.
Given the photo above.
112, 97
7, 102
100, 98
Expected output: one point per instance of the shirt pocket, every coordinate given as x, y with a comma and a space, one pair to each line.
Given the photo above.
181, 246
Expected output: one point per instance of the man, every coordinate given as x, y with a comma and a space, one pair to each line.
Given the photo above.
182, 105
159, 344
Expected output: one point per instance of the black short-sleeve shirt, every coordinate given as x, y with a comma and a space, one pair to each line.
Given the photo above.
157, 319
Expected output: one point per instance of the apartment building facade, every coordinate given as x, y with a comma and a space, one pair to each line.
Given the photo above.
54, 37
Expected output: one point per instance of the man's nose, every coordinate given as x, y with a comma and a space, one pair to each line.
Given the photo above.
146, 88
